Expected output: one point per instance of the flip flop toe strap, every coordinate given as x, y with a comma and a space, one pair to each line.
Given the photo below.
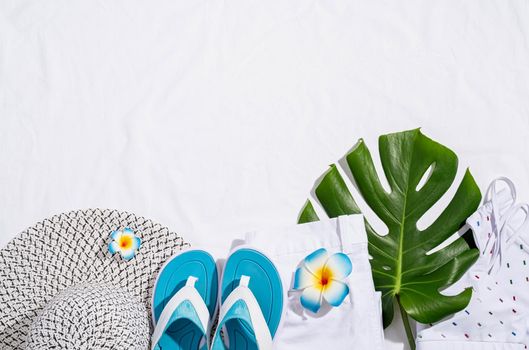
187, 304
242, 305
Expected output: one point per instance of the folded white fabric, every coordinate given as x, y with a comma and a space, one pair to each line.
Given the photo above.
497, 317
357, 322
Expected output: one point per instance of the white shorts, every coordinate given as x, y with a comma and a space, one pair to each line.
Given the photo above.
357, 322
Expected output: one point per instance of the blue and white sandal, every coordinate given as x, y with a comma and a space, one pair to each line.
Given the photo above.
184, 302
252, 302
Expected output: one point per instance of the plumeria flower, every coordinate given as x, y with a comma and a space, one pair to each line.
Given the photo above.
125, 242
322, 277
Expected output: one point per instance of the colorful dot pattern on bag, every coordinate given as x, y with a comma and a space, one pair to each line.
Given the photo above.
507, 307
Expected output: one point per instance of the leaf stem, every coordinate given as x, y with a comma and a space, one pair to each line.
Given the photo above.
407, 327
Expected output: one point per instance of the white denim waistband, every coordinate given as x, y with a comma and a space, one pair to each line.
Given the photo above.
343, 233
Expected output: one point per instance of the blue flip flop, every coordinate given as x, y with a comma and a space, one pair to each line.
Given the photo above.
184, 302
252, 302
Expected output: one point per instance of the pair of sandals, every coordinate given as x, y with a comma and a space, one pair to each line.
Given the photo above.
187, 295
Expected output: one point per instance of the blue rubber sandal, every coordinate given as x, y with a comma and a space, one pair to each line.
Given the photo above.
252, 302
184, 302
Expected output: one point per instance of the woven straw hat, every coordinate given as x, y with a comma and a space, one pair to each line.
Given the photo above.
60, 286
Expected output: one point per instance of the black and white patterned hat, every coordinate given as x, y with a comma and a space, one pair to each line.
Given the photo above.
61, 288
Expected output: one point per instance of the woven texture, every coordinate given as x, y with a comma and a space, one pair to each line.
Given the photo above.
99, 316
71, 249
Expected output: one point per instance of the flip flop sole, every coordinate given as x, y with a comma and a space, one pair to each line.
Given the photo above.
172, 277
265, 285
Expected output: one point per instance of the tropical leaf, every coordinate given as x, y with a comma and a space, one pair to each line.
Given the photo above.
403, 268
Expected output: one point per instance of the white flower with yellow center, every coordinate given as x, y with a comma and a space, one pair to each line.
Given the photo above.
124, 242
322, 277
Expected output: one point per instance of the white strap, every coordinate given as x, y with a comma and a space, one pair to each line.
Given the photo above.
260, 326
189, 293
500, 222
492, 192
523, 227
497, 221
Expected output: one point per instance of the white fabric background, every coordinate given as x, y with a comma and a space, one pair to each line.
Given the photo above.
216, 117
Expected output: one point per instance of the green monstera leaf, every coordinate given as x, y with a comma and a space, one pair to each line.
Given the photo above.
403, 266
